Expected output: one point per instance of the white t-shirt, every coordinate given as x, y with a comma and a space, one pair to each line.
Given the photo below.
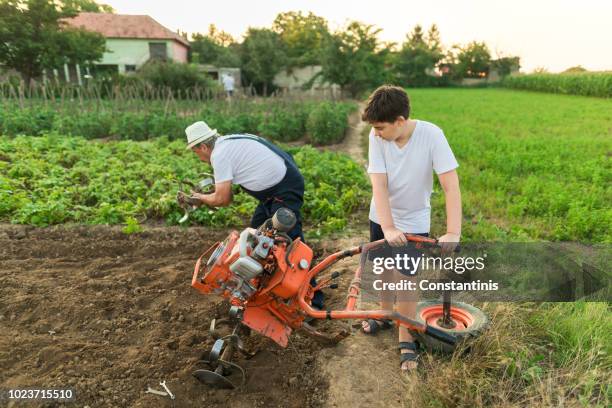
410, 174
246, 162
228, 82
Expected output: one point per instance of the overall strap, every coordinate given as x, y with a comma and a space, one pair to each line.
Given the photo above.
279, 152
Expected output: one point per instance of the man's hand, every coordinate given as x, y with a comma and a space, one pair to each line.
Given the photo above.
198, 199
395, 237
221, 197
448, 242
185, 199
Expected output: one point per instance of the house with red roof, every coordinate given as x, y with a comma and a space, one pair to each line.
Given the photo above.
132, 40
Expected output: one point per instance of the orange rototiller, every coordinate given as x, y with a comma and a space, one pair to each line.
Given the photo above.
266, 277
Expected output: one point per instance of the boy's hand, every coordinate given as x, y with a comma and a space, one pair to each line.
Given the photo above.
395, 237
449, 242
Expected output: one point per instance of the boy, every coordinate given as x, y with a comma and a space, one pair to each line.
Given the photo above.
403, 154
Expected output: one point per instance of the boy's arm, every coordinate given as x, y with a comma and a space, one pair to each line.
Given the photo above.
394, 236
452, 194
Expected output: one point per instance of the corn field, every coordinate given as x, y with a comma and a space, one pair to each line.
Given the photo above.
585, 84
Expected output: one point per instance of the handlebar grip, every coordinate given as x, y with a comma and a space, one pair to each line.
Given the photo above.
441, 335
419, 238
425, 240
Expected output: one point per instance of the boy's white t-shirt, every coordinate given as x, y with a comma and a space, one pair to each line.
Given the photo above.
246, 162
410, 174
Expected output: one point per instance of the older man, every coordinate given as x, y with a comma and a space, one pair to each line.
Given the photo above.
262, 169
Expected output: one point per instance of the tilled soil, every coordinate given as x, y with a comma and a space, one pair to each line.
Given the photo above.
109, 314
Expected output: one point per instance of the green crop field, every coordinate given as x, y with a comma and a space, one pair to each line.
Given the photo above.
532, 165
132, 119
577, 83
63, 179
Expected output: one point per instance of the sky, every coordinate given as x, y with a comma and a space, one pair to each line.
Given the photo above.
547, 34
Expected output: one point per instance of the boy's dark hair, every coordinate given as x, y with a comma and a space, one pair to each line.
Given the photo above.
386, 104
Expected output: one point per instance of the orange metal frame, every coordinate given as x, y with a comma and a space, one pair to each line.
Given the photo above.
355, 287
276, 319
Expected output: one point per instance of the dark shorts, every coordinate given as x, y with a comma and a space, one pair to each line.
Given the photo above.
387, 251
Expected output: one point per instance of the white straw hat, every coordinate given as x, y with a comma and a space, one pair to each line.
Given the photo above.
198, 132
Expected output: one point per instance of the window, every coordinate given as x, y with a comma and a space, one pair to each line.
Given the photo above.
130, 68
158, 51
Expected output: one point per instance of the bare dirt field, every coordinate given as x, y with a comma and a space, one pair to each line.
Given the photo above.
109, 314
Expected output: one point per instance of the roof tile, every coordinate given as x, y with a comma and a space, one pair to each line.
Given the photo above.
125, 26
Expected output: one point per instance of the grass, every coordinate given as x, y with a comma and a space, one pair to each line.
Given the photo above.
533, 355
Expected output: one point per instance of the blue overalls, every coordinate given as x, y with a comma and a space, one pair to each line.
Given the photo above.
289, 193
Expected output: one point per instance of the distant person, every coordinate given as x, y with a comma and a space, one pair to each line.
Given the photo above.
228, 84
403, 155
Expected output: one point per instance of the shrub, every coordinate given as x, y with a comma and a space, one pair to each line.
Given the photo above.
140, 120
327, 123
172, 126
131, 125
29, 121
90, 125
177, 77
284, 125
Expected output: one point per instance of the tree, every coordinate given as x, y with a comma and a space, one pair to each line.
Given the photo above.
574, 70
33, 36
262, 57
217, 48
303, 37
473, 61
89, 6
506, 65
220, 37
418, 57
354, 59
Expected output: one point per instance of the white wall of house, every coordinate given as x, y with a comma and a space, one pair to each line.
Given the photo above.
125, 51
296, 77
